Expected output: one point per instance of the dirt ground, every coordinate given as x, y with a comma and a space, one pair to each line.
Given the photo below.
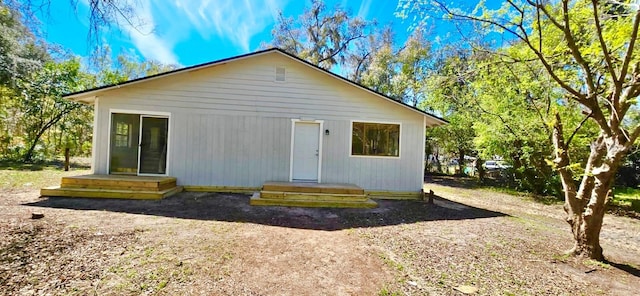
216, 244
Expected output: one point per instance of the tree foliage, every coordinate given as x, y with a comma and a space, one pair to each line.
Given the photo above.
588, 49
37, 123
320, 36
125, 67
21, 52
400, 73
448, 88
41, 102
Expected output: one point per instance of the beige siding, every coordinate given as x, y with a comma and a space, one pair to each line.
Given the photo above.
231, 125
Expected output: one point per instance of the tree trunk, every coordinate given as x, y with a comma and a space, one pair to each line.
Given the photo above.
437, 158
29, 155
480, 168
518, 170
586, 225
585, 228
461, 160
586, 206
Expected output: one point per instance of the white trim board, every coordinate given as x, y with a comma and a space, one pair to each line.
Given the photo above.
424, 148
94, 140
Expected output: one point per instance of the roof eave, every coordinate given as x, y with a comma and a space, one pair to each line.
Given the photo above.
91, 92
88, 96
439, 121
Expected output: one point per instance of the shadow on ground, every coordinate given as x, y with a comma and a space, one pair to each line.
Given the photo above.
236, 208
451, 181
632, 270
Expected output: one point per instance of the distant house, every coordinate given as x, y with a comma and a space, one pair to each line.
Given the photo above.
266, 116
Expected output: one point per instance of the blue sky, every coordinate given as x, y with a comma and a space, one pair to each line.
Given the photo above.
188, 32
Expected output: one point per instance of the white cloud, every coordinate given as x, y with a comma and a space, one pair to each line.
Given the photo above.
165, 23
235, 20
364, 8
141, 29
145, 38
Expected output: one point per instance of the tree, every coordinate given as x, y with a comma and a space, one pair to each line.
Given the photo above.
516, 103
414, 61
41, 99
20, 51
365, 50
381, 70
448, 90
125, 67
318, 36
589, 50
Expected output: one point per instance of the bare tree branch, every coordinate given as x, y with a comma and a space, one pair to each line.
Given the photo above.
628, 57
575, 131
575, 51
580, 97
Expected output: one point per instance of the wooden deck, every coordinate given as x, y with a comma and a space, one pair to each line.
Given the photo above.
312, 195
114, 186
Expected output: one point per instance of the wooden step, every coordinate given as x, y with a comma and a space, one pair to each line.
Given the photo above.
108, 193
312, 188
120, 186
256, 200
116, 182
312, 196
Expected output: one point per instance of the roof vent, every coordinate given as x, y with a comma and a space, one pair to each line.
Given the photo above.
280, 73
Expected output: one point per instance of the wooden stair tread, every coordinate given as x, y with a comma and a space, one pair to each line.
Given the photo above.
107, 181
119, 182
108, 193
257, 200
312, 196
129, 187
312, 187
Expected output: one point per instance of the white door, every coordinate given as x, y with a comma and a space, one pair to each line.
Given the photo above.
306, 152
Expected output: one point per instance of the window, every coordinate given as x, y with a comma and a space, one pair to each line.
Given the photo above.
123, 134
280, 74
375, 139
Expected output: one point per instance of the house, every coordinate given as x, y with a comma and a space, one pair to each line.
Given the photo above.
236, 123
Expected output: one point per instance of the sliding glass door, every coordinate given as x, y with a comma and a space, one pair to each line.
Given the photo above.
153, 146
138, 144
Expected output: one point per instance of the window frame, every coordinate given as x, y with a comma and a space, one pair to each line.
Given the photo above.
128, 135
399, 124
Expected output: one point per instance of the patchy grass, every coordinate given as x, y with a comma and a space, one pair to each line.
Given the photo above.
626, 201
53, 164
16, 175
627, 198
547, 200
596, 264
216, 244
29, 180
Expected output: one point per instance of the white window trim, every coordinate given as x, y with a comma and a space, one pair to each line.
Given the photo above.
320, 133
147, 114
424, 147
375, 156
94, 141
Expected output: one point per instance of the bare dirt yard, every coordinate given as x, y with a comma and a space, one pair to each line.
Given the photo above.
216, 244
